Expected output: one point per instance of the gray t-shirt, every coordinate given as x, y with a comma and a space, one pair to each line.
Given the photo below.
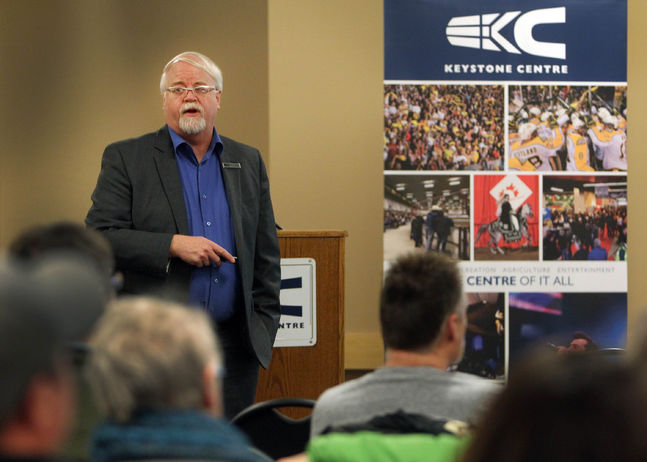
428, 391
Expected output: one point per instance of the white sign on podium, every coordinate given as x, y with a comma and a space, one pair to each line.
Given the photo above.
298, 324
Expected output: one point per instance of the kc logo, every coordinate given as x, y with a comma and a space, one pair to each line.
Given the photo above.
483, 32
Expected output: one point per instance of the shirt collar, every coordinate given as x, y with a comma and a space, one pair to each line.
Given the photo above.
215, 145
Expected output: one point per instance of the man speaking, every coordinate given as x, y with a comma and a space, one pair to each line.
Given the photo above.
188, 213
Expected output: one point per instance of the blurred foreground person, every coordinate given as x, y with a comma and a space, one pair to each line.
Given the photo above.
76, 241
41, 311
72, 239
155, 371
573, 408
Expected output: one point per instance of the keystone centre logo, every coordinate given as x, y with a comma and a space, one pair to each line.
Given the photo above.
484, 32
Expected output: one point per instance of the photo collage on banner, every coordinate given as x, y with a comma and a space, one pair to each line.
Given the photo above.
505, 148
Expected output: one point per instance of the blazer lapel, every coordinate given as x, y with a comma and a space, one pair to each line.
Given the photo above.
170, 178
230, 168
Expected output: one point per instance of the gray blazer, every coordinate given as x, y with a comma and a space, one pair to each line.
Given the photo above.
138, 205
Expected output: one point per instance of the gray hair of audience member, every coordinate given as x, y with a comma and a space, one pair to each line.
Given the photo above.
420, 291
150, 354
195, 59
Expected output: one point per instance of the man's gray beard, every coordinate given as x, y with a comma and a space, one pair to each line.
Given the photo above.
192, 125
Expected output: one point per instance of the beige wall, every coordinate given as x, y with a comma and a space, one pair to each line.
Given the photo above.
636, 148
302, 82
326, 73
77, 75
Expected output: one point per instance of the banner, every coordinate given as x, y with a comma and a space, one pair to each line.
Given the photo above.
505, 128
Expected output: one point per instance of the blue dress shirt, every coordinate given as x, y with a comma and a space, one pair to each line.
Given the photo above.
215, 289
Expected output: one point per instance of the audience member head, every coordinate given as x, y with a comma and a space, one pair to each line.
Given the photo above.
582, 342
70, 238
39, 308
565, 408
422, 307
150, 354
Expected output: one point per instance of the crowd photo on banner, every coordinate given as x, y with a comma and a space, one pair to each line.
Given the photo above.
443, 127
572, 128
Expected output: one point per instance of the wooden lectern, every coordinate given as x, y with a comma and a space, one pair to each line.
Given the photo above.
305, 372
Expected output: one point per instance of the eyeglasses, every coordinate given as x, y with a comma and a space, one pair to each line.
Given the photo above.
202, 90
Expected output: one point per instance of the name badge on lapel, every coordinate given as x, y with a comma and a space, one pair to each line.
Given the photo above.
231, 165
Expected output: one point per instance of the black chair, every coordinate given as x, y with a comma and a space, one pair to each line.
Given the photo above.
610, 355
273, 433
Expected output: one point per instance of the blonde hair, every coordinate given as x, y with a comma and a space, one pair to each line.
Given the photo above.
195, 59
147, 353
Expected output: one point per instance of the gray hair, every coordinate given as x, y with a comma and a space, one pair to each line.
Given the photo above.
195, 59
147, 353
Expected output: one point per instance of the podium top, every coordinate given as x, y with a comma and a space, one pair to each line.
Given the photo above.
312, 233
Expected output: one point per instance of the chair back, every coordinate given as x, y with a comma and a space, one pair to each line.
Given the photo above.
272, 432
610, 355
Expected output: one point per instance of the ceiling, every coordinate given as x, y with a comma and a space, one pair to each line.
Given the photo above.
416, 190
